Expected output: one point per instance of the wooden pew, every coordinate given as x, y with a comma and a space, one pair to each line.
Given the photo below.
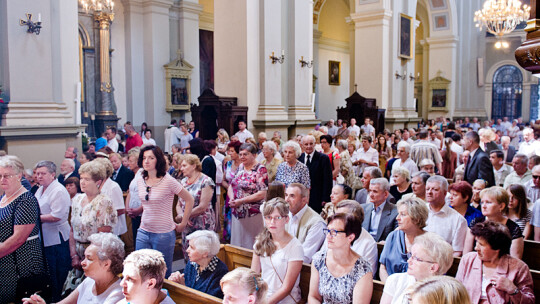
378, 287
185, 295
531, 255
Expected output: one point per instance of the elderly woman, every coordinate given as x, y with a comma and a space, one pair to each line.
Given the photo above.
203, 270
112, 190
494, 205
102, 264
343, 132
291, 170
201, 188
143, 276
278, 255
246, 193
346, 167
243, 286
156, 190
340, 275
335, 159
418, 184
402, 183
430, 256
440, 290
54, 203
20, 248
428, 166
461, 194
412, 216
339, 193
517, 209
271, 163
491, 274
91, 212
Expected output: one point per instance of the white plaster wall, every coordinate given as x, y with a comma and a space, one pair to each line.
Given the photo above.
118, 63
330, 96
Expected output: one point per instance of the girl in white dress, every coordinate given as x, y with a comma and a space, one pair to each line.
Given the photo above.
278, 255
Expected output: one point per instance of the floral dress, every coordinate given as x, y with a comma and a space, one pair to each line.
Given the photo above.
204, 221
86, 220
338, 290
246, 183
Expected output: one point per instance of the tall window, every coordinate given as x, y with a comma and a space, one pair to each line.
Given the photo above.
535, 95
507, 89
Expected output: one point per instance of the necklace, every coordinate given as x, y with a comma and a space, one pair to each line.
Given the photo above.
7, 200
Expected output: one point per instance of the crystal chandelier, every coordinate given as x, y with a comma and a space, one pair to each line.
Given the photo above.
501, 16
106, 6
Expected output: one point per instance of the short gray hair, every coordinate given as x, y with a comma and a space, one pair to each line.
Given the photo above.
206, 241
12, 162
439, 179
51, 167
270, 145
404, 172
382, 182
343, 144
524, 158
424, 176
70, 161
374, 171
404, 144
417, 210
426, 162
110, 247
310, 137
295, 146
437, 249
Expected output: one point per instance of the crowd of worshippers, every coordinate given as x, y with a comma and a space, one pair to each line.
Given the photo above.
327, 198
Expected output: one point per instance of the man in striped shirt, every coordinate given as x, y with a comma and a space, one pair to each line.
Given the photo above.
424, 149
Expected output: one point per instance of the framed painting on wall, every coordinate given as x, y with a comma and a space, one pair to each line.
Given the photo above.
334, 72
405, 37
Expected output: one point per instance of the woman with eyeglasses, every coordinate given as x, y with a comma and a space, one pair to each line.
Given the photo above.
156, 190
494, 206
243, 286
339, 274
430, 255
278, 255
491, 274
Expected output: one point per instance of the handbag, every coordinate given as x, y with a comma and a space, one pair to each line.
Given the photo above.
73, 280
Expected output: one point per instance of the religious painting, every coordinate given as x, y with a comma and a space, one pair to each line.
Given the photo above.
438, 4
439, 98
440, 21
334, 72
179, 91
405, 37
206, 61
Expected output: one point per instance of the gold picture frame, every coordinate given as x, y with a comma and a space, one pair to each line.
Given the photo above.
334, 72
406, 35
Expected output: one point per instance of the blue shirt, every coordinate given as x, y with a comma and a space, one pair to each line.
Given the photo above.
207, 280
375, 219
471, 214
394, 254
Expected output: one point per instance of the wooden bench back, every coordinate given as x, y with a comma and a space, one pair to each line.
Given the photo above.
531, 254
185, 295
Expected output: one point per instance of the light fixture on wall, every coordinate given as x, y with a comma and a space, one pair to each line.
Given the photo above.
33, 27
304, 63
501, 44
412, 78
106, 6
402, 76
501, 16
278, 59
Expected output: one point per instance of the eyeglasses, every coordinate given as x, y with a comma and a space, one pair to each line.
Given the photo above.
536, 176
415, 258
332, 232
6, 176
147, 193
273, 218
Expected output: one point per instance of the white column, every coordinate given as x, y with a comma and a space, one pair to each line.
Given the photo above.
352, 45
188, 27
300, 43
444, 47
316, 36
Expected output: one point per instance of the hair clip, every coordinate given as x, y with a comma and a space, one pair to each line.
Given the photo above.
256, 284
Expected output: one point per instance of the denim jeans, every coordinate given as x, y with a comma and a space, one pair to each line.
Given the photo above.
135, 224
162, 242
59, 265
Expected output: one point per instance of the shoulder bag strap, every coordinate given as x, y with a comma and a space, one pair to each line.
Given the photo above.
270, 257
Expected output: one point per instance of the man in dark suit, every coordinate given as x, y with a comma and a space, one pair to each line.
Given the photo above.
380, 215
508, 151
320, 174
479, 166
67, 169
121, 174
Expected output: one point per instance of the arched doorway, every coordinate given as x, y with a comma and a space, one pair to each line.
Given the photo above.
507, 92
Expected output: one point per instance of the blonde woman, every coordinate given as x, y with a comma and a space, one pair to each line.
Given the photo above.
278, 255
243, 286
440, 290
222, 141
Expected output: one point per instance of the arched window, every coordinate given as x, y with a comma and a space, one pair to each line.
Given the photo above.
507, 89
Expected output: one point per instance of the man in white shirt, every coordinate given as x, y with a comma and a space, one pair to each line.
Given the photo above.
184, 138
366, 156
332, 129
305, 224
368, 129
172, 136
354, 127
243, 132
433, 138
403, 151
529, 146
500, 169
112, 143
475, 125
521, 173
442, 219
406, 137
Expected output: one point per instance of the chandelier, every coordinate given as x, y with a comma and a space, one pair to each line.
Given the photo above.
501, 16
105, 6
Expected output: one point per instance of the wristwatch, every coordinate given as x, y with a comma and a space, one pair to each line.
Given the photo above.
515, 292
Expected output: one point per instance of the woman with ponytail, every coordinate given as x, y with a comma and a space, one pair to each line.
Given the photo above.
278, 255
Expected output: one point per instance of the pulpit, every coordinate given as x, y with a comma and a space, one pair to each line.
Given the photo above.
215, 112
360, 108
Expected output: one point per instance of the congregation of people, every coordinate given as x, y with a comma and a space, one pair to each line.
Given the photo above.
427, 194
